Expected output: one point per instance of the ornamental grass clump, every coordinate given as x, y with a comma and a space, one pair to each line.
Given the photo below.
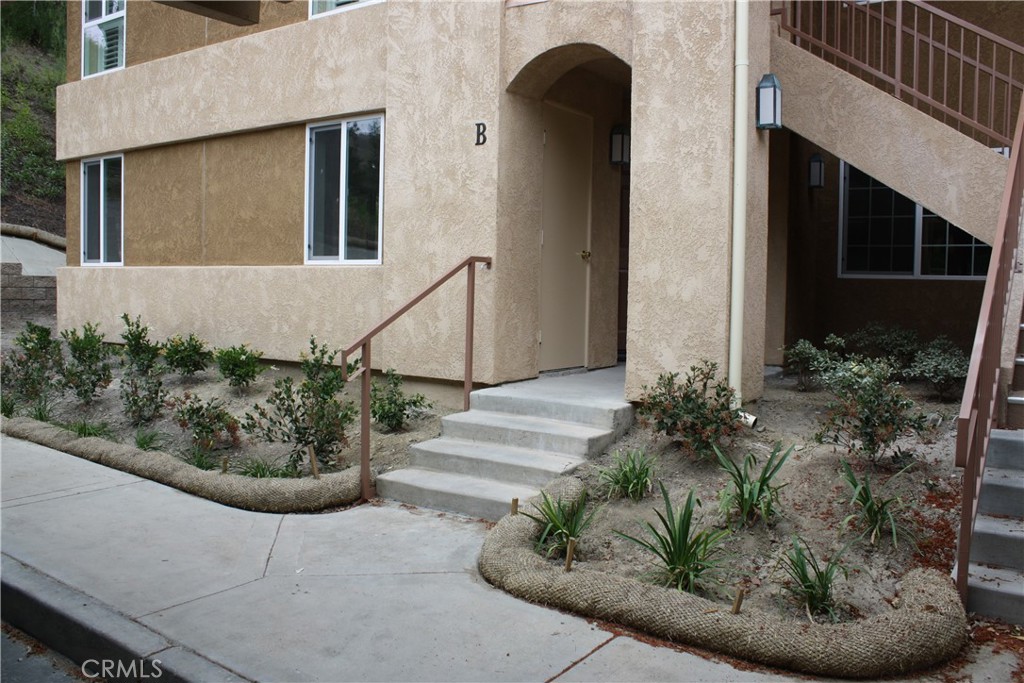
748, 497
876, 515
687, 557
630, 474
561, 521
698, 411
812, 583
311, 415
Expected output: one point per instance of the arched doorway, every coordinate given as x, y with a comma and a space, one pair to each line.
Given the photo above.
580, 93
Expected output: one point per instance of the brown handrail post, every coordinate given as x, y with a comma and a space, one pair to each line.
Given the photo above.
366, 487
898, 58
467, 383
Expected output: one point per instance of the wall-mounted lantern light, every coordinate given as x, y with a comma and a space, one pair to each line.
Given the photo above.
769, 102
619, 152
816, 176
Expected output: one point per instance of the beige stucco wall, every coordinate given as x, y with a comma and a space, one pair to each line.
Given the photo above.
292, 74
955, 177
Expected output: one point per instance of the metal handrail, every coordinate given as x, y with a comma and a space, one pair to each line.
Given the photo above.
978, 410
367, 490
954, 71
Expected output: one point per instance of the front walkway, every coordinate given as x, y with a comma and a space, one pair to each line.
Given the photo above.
376, 593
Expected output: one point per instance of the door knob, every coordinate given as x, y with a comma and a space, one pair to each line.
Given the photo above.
585, 255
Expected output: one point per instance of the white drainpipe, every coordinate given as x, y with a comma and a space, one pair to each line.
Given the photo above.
739, 198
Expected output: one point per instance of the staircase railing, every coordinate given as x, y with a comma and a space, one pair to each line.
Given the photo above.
364, 343
961, 74
978, 411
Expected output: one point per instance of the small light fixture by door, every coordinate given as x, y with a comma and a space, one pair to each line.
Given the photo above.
816, 176
619, 151
769, 103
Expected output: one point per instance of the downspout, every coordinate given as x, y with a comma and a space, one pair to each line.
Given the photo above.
739, 199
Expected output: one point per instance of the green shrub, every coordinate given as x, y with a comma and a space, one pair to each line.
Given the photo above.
187, 356
140, 356
698, 412
142, 397
813, 585
808, 361
207, 422
875, 514
750, 497
88, 369
869, 411
943, 365
310, 415
389, 407
896, 344
239, 365
30, 372
560, 521
630, 474
687, 556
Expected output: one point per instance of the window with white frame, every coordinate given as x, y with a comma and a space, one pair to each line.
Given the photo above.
884, 234
102, 192
345, 172
102, 36
319, 7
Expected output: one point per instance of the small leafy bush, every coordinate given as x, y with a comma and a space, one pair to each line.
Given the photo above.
687, 556
808, 361
142, 396
875, 514
187, 355
749, 496
141, 355
560, 521
309, 415
389, 406
944, 365
630, 474
209, 424
30, 372
88, 369
896, 344
869, 411
812, 584
239, 365
698, 411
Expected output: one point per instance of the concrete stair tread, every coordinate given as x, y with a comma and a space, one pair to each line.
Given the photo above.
1006, 449
460, 493
998, 542
996, 592
555, 463
530, 423
996, 577
1016, 398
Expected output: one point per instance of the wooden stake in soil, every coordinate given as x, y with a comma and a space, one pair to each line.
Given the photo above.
224, 465
738, 602
515, 507
312, 462
569, 552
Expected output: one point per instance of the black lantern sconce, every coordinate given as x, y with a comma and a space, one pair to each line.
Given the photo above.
619, 151
769, 103
816, 174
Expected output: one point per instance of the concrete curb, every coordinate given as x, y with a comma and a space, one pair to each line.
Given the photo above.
85, 629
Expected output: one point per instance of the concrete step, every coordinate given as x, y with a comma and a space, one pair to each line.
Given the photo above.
526, 399
1002, 493
1006, 449
482, 498
523, 431
1017, 379
486, 461
998, 542
996, 592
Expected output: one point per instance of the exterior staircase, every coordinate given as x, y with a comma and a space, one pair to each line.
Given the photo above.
996, 574
514, 440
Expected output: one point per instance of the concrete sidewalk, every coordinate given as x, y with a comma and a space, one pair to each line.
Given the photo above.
100, 564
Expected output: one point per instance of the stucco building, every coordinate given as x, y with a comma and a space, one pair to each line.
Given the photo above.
261, 171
